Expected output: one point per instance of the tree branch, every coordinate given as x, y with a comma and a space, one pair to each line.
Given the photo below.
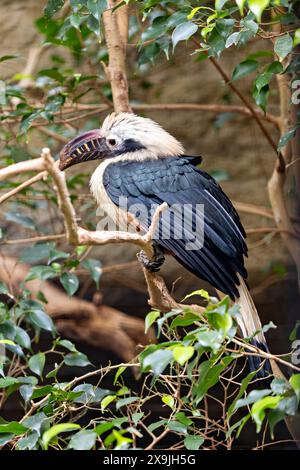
64, 200
116, 28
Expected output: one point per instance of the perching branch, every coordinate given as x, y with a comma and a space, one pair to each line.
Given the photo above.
64, 200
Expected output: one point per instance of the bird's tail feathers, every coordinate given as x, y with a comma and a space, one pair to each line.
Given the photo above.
249, 323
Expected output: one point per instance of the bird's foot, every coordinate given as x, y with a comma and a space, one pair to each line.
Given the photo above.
155, 263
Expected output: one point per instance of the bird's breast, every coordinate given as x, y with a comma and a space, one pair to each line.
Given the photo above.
121, 218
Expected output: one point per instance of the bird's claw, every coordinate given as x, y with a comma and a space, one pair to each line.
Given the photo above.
153, 265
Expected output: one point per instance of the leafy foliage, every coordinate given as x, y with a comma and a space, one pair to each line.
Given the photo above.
194, 354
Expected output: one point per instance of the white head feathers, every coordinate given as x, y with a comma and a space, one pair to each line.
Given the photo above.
157, 141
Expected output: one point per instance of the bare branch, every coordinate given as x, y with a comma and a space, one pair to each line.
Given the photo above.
37, 164
117, 54
24, 185
64, 200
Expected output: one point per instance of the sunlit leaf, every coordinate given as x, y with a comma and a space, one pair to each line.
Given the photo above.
183, 353
55, 430
150, 319
257, 7
168, 400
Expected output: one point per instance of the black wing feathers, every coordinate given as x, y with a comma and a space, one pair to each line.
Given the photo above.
177, 180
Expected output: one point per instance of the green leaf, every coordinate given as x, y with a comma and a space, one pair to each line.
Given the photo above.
76, 19
203, 293
220, 4
180, 416
296, 37
293, 334
274, 416
183, 32
69, 282
257, 7
9, 342
258, 412
191, 15
136, 417
55, 74
8, 381
280, 386
41, 320
28, 442
41, 391
261, 97
8, 57
275, 67
168, 400
285, 138
188, 318
244, 384
37, 363
157, 361
83, 440
52, 7
177, 427
153, 426
241, 4
182, 354
27, 120
103, 427
119, 373
65, 343
76, 359
22, 338
96, 7
252, 397
5, 439
41, 272
125, 401
150, 319
13, 427
107, 401
122, 441
157, 29
209, 339
295, 383
208, 376
283, 46
233, 39
55, 430
26, 392
244, 68
95, 269
56, 254
193, 442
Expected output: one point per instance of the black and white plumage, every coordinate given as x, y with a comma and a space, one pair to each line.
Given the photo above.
176, 180
143, 163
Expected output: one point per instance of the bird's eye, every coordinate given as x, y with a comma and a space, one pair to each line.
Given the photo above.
112, 142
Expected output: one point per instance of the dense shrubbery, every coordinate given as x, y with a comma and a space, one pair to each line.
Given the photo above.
196, 352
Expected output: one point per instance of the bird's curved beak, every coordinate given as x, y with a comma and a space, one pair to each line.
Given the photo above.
90, 145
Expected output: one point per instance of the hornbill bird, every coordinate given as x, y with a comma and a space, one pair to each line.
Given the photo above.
142, 164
